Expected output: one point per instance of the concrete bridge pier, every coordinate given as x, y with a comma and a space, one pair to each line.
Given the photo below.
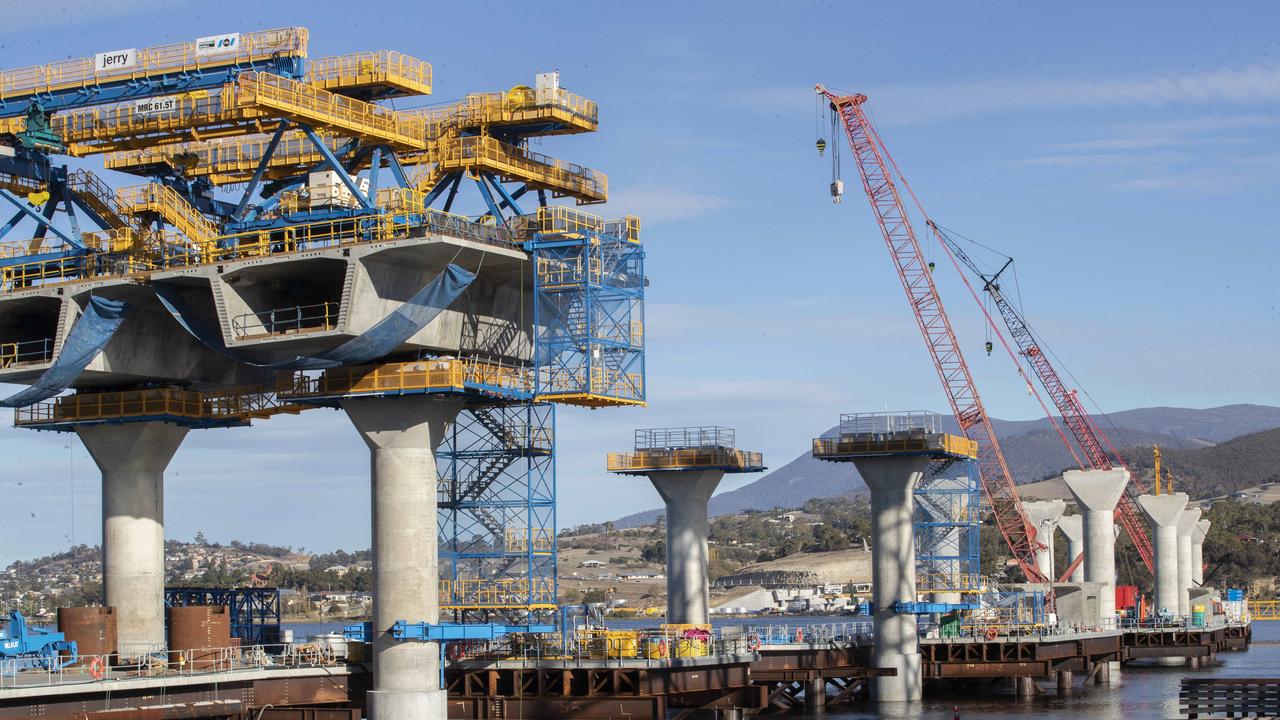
1197, 552
1072, 527
1045, 515
1065, 682
403, 434
815, 697
685, 493
1097, 492
1186, 528
892, 482
1164, 512
133, 458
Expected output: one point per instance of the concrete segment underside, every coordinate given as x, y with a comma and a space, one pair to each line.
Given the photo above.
403, 434
1044, 515
132, 459
1072, 527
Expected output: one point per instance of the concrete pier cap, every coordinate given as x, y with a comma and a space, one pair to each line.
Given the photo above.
1164, 512
1186, 527
1072, 527
403, 434
133, 458
685, 464
1097, 492
892, 452
1045, 515
1197, 551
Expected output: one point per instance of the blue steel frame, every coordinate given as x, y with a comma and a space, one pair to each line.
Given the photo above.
948, 521
496, 509
588, 309
255, 612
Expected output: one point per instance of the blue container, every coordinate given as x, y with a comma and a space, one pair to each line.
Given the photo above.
1235, 594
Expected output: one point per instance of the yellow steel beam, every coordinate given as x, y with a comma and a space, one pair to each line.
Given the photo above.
226, 160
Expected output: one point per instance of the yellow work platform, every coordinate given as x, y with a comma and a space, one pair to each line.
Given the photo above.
227, 160
478, 153
226, 407
561, 114
303, 103
439, 375
381, 74
639, 462
913, 442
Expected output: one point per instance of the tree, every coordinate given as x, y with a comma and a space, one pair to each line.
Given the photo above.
654, 552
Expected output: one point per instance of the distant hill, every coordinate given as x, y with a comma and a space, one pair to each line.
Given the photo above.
1032, 448
1222, 469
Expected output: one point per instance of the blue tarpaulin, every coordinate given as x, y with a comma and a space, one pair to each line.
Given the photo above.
383, 338
88, 336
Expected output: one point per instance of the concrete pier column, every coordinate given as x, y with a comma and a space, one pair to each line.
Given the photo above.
1065, 682
1197, 552
132, 458
402, 434
1097, 492
1186, 527
1045, 515
1024, 686
815, 696
892, 481
1072, 527
1164, 512
1102, 673
686, 493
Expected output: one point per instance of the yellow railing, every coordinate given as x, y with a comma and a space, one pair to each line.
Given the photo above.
202, 114
887, 445
364, 69
1264, 609
518, 105
926, 583
227, 160
25, 352
419, 375
517, 539
165, 201
114, 405
300, 101
476, 593
686, 458
483, 152
606, 386
162, 59
93, 191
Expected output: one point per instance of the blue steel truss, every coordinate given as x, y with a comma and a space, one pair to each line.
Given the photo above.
255, 612
589, 313
947, 523
497, 514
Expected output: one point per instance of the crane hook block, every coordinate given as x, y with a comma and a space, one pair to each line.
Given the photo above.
837, 191
822, 145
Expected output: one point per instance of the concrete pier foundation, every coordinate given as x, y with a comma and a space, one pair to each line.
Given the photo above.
815, 696
132, 458
892, 481
403, 434
1045, 515
1097, 492
686, 493
1164, 512
1197, 552
1072, 527
1065, 682
1186, 528
1025, 687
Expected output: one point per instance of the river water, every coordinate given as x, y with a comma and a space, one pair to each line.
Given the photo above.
1136, 693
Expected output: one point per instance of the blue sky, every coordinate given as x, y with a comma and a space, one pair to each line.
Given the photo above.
1126, 154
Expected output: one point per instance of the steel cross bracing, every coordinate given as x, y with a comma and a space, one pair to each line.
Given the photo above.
944, 348
1097, 449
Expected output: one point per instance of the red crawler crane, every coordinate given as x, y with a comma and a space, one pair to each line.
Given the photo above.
1098, 450
997, 484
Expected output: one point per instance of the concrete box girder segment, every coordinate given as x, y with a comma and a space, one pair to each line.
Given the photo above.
1197, 551
1097, 492
1044, 515
1163, 512
1072, 527
685, 465
132, 459
403, 434
1186, 528
340, 292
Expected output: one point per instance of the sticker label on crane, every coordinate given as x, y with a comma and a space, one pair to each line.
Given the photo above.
215, 44
155, 105
115, 60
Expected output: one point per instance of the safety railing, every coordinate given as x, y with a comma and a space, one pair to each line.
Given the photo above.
852, 633
441, 375
889, 444
518, 105
485, 152
301, 101
159, 60
644, 460
25, 352
945, 582
20, 183
225, 160
1264, 609
522, 539
104, 669
576, 383
363, 69
478, 593
168, 204
212, 113
890, 422
284, 321
170, 402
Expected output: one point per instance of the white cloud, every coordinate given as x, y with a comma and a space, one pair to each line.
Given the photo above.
664, 204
